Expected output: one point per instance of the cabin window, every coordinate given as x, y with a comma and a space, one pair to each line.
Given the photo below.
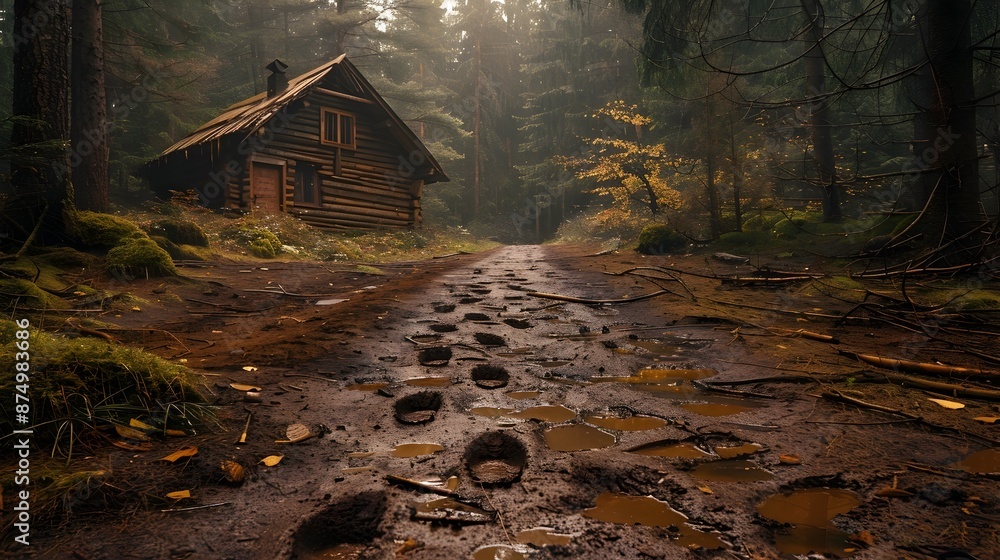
306, 185
338, 129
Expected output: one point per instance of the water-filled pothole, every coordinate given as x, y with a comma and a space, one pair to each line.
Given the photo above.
341, 530
449, 510
490, 411
671, 448
444, 307
441, 381
545, 413
732, 470
543, 536
490, 376
443, 327
577, 437
981, 462
715, 406
810, 512
738, 451
408, 450
647, 510
425, 338
418, 408
496, 458
436, 356
662, 350
477, 317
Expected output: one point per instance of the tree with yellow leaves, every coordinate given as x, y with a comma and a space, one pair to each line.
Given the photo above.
627, 169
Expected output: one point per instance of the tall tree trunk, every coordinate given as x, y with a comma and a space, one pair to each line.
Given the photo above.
40, 94
945, 128
822, 139
88, 127
477, 117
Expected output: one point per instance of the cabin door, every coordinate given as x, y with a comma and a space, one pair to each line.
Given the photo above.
266, 186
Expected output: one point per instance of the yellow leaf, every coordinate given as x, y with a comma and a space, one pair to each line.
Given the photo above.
272, 460
952, 405
242, 387
249, 368
179, 495
130, 433
141, 425
789, 459
144, 446
706, 490
987, 419
181, 453
298, 432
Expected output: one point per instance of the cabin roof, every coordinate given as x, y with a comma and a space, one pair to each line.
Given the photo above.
244, 117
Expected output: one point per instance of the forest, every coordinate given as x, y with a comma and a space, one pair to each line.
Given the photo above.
265, 264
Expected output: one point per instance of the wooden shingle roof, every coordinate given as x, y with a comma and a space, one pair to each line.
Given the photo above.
245, 117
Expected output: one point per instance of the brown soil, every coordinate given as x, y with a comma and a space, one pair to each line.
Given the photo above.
340, 368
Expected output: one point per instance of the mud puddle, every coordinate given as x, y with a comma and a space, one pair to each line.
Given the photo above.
647, 510
410, 450
981, 462
498, 552
676, 450
577, 437
811, 512
545, 413
543, 536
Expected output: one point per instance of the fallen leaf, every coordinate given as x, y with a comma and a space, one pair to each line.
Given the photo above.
987, 419
244, 388
789, 459
863, 537
272, 460
298, 432
706, 489
175, 433
952, 405
249, 368
141, 425
145, 446
179, 495
130, 433
408, 545
893, 493
233, 472
181, 453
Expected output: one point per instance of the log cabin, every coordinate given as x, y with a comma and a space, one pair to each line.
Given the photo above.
323, 146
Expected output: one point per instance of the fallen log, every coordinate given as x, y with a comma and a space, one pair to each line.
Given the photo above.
937, 386
938, 370
588, 301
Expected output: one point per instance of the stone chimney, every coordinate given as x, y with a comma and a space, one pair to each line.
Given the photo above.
277, 81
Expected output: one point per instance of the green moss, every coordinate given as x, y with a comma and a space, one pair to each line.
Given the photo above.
65, 258
261, 242
741, 241
657, 239
18, 292
44, 275
90, 382
365, 269
140, 257
761, 222
181, 232
102, 230
182, 252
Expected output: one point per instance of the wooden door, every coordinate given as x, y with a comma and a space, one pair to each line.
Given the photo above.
266, 187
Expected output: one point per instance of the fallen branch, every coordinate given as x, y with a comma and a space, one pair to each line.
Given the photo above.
925, 368
802, 333
192, 508
573, 299
763, 280
732, 392
938, 387
417, 485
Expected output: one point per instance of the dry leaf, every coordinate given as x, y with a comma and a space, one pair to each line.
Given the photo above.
181, 453
179, 495
249, 368
141, 425
789, 459
145, 446
298, 432
272, 460
706, 489
987, 419
130, 433
948, 404
893, 493
408, 545
233, 472
863, 537
244, 388
175, 433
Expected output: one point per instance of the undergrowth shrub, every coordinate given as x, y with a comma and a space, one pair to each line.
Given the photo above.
657, 239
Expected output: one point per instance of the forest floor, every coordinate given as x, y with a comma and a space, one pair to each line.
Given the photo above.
618, 422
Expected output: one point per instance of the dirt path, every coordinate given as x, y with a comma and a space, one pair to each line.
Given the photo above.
584, 385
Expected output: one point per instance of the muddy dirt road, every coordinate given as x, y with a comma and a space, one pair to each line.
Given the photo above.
459, 417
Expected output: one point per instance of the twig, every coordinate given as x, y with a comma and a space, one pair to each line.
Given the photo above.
310, 377
938, 387
408, 482
192, 508
938, 370
499, 515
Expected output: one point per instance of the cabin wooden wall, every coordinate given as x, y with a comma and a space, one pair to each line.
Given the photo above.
371, 190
